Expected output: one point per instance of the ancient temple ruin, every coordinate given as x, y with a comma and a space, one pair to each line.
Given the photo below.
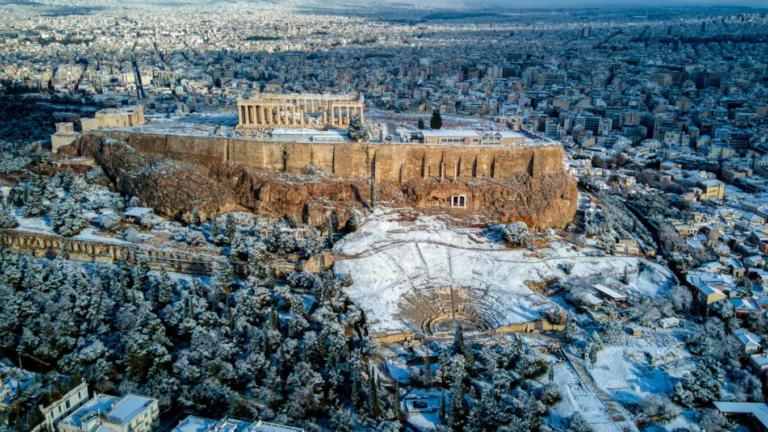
299, 110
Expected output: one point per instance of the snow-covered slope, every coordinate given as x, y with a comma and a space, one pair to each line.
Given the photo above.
394, 259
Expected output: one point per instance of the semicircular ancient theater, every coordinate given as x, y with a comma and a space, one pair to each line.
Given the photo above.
437, 307
427, 279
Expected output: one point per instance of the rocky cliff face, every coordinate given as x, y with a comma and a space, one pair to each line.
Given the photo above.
175, 187
172, 187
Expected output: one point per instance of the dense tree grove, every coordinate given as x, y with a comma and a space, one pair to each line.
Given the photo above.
488, 386
244, 348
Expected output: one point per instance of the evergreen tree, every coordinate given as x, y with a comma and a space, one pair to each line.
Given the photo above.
141, 281
195, 216
441, 410
7, 220
230, 226
164, 289
215, 230
436, 122
428, 369
357, 387
444, 364
67, 218
374, 405
420, 124
458, 340
357, 129
396, 402
32, 198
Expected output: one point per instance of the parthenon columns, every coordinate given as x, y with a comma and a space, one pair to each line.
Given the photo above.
299, 110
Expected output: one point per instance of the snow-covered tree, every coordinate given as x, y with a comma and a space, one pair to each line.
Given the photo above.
577, 423
712, 421
516, 233
67, 218
357, 129
7, 220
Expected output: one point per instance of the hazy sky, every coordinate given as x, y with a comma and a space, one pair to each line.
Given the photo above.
468, 4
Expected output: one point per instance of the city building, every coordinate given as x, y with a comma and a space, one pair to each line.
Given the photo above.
130, 413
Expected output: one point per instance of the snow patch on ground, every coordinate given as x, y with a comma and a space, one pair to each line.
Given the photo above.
390, 257
577, 397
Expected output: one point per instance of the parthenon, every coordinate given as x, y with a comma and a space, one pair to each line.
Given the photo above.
299, 110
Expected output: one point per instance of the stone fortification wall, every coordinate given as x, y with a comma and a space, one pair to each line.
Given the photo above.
46, 245
49, 245
385, 162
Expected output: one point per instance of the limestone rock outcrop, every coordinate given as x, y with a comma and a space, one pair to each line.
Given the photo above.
174, 187
171, 186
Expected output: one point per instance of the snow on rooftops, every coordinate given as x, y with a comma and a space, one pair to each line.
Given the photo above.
749, 340
194, 424
262, 426
609, 292
128, 408
200, 424
137, 212
99, 404
450, 132
758, 410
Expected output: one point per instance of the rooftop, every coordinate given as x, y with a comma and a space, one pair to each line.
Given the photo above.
758, 410
100, 403
128, 408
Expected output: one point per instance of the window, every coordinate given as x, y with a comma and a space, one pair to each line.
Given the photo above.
458, 201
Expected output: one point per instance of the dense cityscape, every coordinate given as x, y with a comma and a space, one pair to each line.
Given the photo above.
321, 216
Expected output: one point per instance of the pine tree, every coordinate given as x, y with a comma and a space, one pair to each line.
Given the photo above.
458, 410
396, 402
357, 388
436, 122
274, 320
141, 279
458, 340
357, 129
444, 365
67, 218
374, 406
428, 369
195, 216
32, 198
420, 124
442, 405
215, 230
7, 220
164, 288
230, 226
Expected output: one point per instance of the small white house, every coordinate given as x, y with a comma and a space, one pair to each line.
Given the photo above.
749, 341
